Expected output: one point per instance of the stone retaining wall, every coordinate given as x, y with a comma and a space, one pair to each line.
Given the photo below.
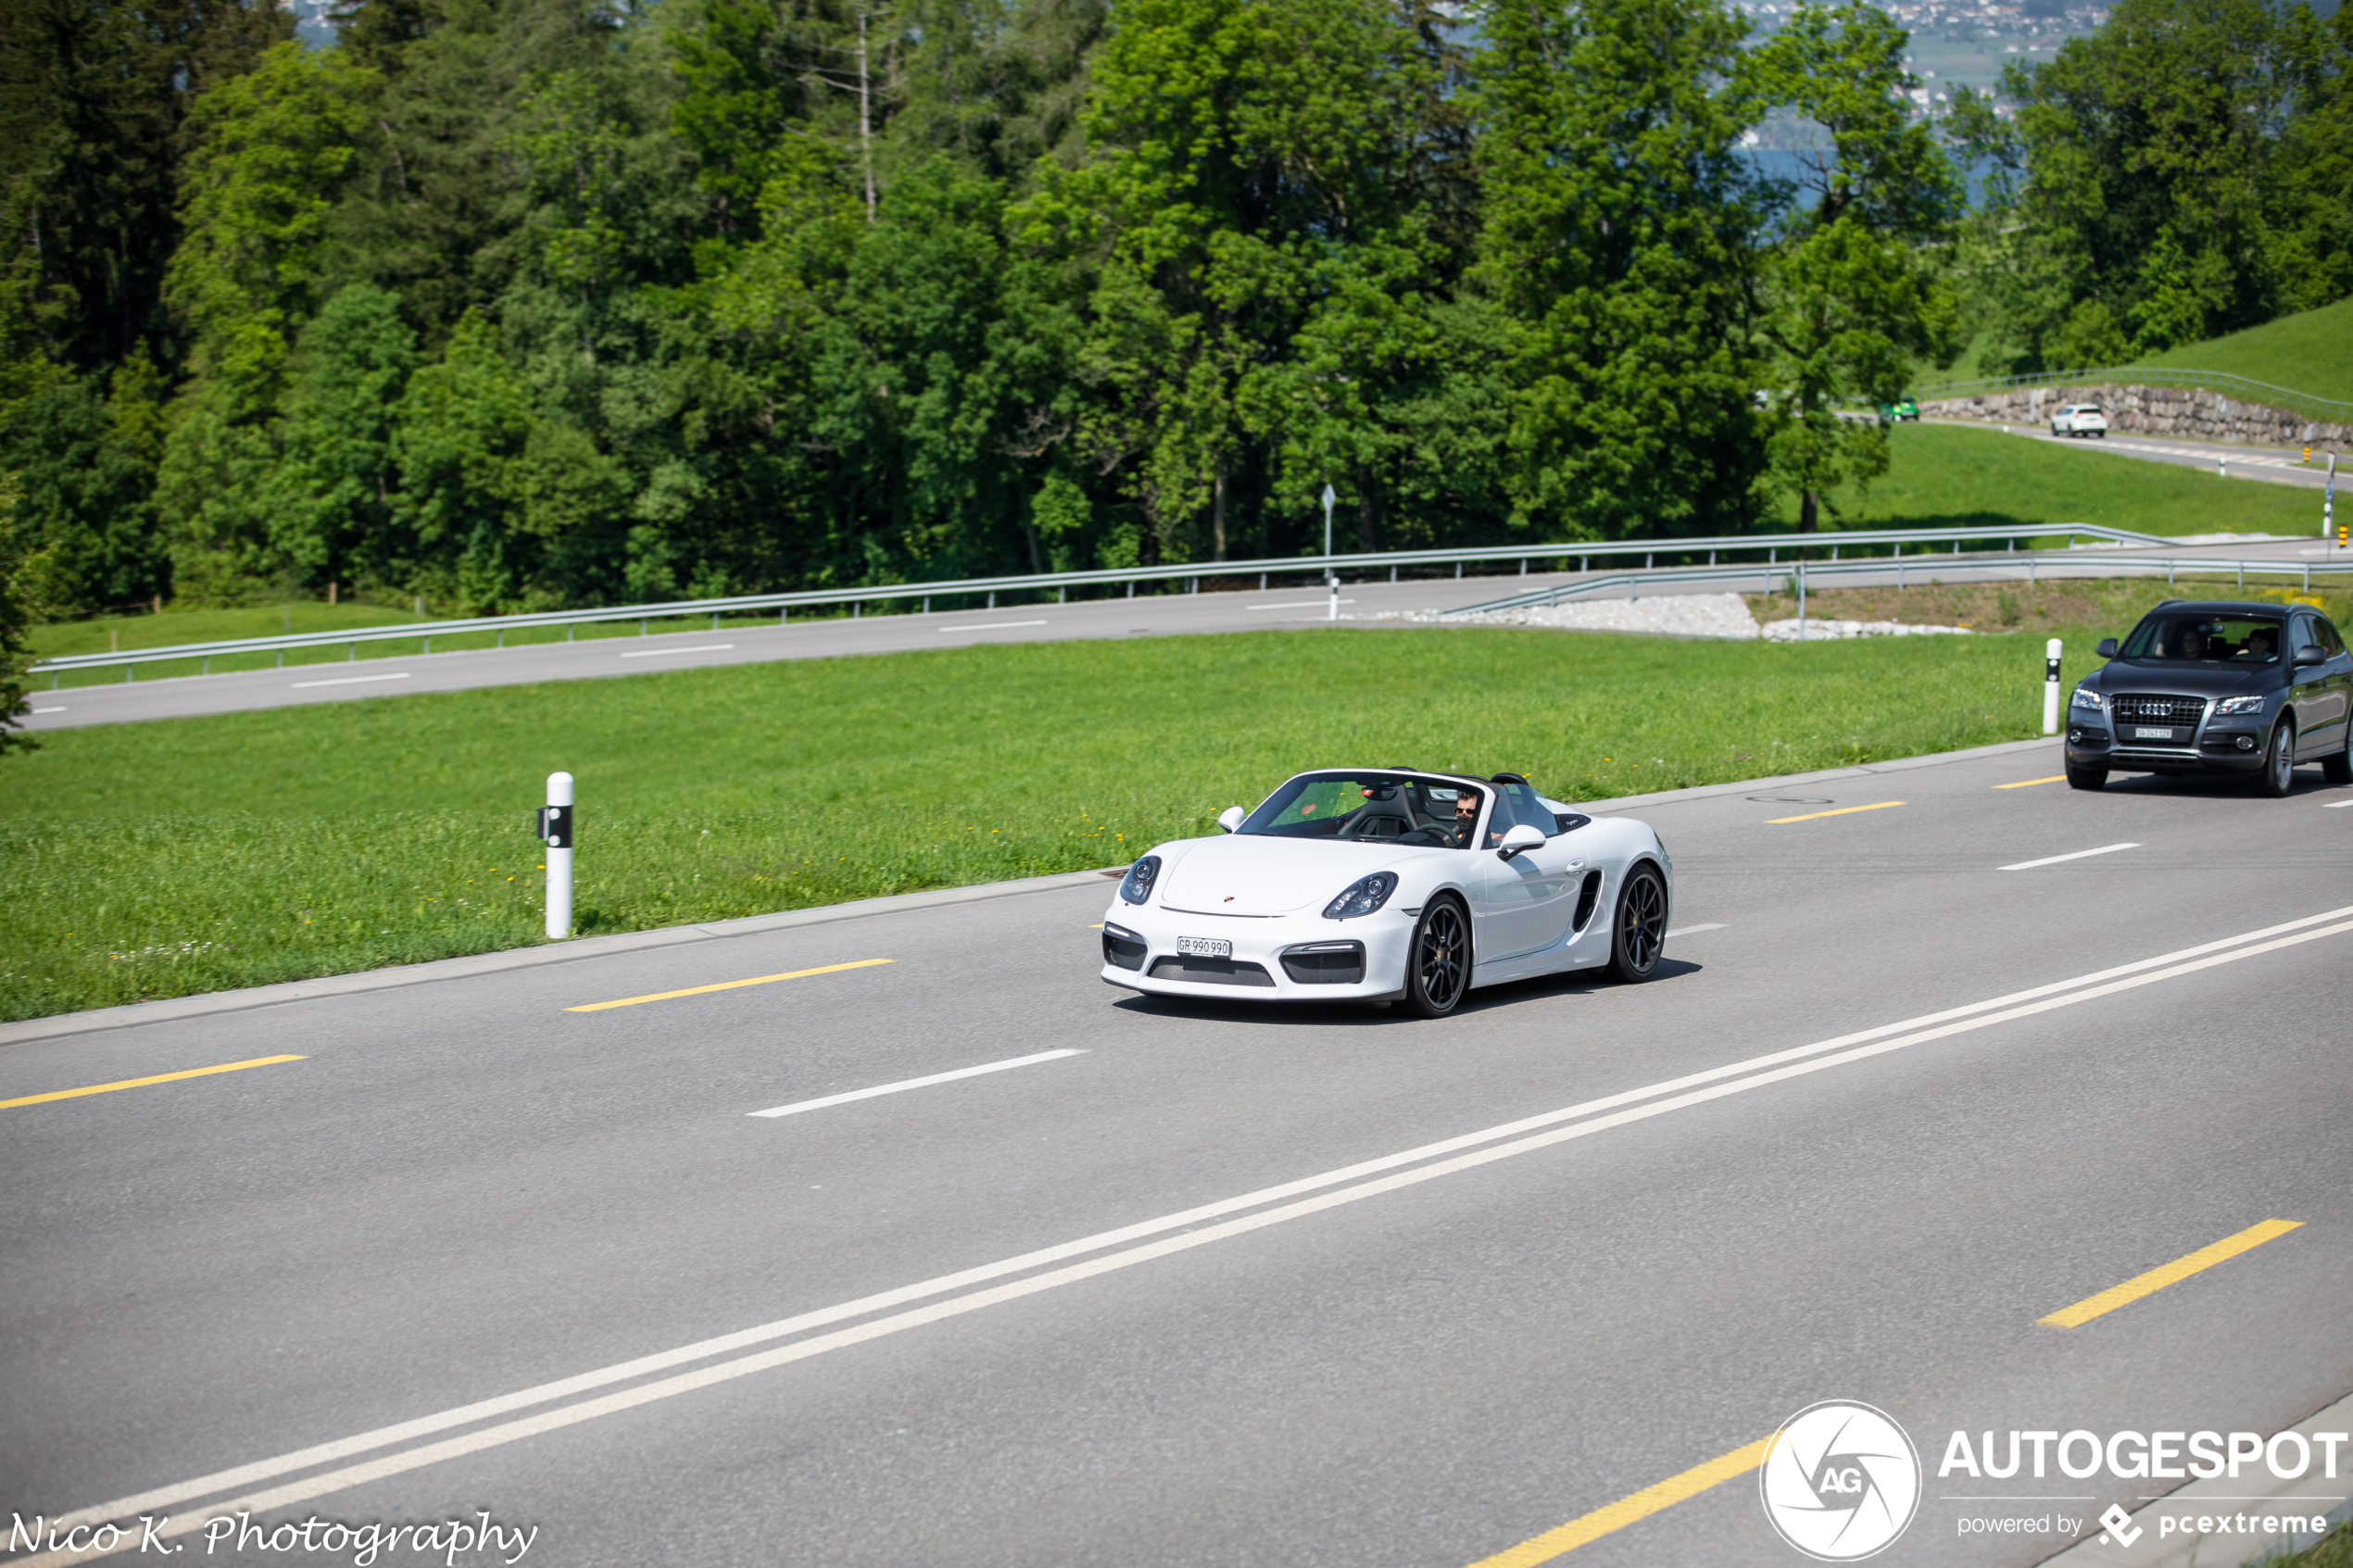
2191, 412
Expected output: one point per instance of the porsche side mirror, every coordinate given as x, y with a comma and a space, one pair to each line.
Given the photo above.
1230, 818
1519, 840
2106, 649
2310, 652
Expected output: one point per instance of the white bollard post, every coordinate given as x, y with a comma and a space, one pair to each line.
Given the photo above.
2051, 687
2328, 507
555, 826
1330, 576
1801, 600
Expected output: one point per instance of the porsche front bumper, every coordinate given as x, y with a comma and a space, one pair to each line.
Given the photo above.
1295, 957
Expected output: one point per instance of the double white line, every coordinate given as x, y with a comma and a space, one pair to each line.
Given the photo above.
950, 1295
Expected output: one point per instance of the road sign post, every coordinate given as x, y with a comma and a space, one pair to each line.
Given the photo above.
555, 826
1331, 577
2051, 687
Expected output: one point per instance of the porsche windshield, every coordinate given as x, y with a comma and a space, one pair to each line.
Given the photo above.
2200, 639
1391, 807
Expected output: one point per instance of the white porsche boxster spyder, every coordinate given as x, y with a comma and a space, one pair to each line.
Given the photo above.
1378, 885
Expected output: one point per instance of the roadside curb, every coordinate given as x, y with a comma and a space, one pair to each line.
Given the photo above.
133, 1014
2225, 1548
1860, 770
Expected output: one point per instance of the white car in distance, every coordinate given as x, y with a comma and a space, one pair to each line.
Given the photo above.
1385, 884
2079, 419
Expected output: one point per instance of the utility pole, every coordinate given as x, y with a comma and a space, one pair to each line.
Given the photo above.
865, 118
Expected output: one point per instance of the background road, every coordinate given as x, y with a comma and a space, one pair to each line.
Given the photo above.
1295, 607
463, 1190
2277, 465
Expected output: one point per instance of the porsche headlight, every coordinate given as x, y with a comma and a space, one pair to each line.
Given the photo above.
2086, 698
1362, 897
1137, 886
2241, 704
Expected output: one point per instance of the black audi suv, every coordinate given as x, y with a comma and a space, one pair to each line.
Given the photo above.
2248, 690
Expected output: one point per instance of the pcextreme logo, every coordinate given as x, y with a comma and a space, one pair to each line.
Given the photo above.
1841, 1482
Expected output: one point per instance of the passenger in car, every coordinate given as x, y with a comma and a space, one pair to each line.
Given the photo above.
2261, 644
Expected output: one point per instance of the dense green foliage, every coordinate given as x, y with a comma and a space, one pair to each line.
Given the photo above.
518, 303
509, 304
299, 842
2183, 172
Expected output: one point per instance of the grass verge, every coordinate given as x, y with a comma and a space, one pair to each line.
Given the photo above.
1953, 476
159, 859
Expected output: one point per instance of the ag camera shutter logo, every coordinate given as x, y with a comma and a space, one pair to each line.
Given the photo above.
1842, 1481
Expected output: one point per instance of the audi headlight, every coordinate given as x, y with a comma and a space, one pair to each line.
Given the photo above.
1362, 897
2086, 698
1137, 886
2241, 704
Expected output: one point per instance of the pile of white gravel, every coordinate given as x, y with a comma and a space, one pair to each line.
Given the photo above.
1670, 615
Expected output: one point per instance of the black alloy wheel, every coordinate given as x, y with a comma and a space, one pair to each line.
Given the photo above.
1640, 938
2279, 763
1438, 969
2087, 778
2337, 766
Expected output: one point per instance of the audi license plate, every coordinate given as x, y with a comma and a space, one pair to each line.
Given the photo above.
1205, 946
2144, 733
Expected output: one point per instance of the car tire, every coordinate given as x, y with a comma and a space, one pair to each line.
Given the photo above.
2087, 778
2279, 763
2337, 766
1638, 936
1438, 966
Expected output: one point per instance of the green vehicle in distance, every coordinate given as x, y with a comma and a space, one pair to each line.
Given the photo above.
1902, 409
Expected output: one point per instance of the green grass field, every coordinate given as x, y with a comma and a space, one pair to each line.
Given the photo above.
162, 859
1951, 475
2310, 352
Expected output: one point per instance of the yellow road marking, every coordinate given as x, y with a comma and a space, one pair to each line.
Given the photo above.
729, 985
1630, 1510
2022, 783
143, 1082
1842, 811
2180, 1269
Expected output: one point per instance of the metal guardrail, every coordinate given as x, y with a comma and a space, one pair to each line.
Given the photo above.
1772, 545
2154, 375
2106, 565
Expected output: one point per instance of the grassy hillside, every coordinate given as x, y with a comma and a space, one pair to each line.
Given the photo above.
192, 855
1948, 475
2311, 351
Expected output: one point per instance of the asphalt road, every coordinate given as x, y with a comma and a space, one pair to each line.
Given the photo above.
377, 675
1218, 1285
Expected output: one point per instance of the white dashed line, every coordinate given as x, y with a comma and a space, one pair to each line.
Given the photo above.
801, 1105
1304, 604
657, 653
1694, 930
352, 680
61, 710
992, 626
2080, 854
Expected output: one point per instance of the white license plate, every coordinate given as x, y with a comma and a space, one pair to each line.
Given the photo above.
2142, 733
1205, 946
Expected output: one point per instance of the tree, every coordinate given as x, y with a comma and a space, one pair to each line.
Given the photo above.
331, 505
1851, 292
15, 622
1617, 244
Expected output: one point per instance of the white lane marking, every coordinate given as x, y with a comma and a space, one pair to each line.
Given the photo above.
1694, 930
352, 680
61, 710
2078, 855
724, 1372
1304, 604
992, 625
657, 653
2060, 993
2332, 806
798, 1106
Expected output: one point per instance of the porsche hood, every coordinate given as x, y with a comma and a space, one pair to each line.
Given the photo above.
1256, 874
